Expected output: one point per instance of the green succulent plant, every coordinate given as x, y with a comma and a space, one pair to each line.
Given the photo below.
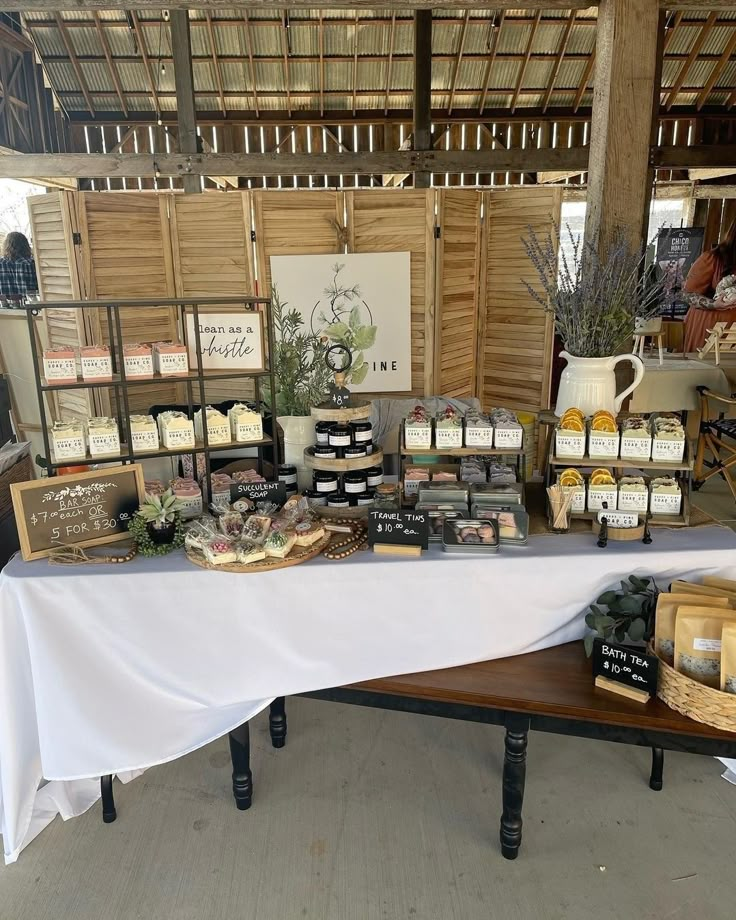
160, 510
629, 614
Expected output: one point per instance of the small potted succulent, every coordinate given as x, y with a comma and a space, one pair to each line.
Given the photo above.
160, 514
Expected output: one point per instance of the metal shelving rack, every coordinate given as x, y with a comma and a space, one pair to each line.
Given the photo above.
198, 377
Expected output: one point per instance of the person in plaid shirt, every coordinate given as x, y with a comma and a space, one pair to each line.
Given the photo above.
17, 268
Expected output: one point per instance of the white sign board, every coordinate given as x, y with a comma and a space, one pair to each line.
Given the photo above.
362, 301
228, 341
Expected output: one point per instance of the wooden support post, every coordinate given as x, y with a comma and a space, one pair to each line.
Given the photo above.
185, 109
625, 74
422, 88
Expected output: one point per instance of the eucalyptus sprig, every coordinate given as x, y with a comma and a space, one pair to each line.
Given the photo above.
629, 614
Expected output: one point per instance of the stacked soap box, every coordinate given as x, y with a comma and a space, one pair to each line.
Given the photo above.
662, 437
450, 429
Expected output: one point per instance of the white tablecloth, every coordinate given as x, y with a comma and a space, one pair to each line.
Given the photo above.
116, 668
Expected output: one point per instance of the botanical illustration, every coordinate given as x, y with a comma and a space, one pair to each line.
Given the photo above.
94, 490
343, 316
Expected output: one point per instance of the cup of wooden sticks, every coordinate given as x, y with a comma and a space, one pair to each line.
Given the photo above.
560, 501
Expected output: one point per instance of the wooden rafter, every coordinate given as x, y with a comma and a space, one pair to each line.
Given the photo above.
717, 71
75, 63
390, 61
251, 65
491, 57
285, 53
146, 61
694, 51
111, 66
671, 31
558, 59
527, 53
48, 5
580, 92
216, 62
731, 100
355, 59
321, 67
458, 59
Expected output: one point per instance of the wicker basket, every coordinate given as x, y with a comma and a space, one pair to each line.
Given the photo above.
695, 700
22, 471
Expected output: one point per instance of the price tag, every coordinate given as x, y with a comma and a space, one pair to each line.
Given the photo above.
340, 397
403, 528
623, 665
259, 492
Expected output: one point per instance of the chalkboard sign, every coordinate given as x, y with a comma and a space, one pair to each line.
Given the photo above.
402, 528
80, 509
623, 665
259, 492
339, 397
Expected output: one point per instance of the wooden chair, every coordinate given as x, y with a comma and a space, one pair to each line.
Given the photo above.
721, 338
651, 329
717, 437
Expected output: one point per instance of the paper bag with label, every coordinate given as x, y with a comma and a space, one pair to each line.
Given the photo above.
698, 636
664, 621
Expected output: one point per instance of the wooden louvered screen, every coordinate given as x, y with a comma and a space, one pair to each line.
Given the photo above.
53, 223
401, 220
212, 254
458, 255
516, 333
127, 252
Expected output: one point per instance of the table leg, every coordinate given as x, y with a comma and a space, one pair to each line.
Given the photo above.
655, 778
108, 800
277, 722
242, 776
514, 776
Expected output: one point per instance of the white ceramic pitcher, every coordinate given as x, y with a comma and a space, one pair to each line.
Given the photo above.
589, 384
298, 434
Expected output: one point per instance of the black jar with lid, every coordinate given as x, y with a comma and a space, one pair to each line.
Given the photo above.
339, 437
321, 430
287, 475
354, 483
354, 452
361, 432
315, 498
338, 500
363, 498
324, 481
324, 452
374, 476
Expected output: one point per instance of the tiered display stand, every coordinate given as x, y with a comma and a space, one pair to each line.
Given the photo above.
120, 385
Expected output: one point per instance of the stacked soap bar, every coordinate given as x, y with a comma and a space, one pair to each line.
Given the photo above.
508, 432
103, 437
418, 428
138, 360
176, 430
245, 423
449, 428
189, 493
68, 441
170, 359
143, 434
96, 363
218, 429
60, 364
220, 490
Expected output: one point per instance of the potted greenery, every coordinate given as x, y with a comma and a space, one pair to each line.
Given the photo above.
597, 301
628, 615
160, 514
302, 379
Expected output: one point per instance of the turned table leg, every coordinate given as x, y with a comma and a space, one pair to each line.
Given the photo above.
108, 800
514, 776
277, 722
242, 776
655, 778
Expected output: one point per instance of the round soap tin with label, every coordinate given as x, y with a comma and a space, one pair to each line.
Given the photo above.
325, 481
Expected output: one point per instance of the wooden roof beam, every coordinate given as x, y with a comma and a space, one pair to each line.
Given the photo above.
216, 62
285, 53
558, 59
458, 59
717, 71
692, 56
355, 59
146, 60
59, 5
496, 28
584, 81
251, 65
75, 63
321, 67
111, 66
390, 62
522, 69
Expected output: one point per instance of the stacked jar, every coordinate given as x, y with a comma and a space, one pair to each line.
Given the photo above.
343, 440
344, 490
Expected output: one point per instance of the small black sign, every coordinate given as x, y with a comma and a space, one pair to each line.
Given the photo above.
340, 397
630, 666
407, 528
259, 492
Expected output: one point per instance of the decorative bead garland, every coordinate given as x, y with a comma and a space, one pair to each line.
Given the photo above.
349, 543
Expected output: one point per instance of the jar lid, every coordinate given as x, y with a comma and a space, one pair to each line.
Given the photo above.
287, 469
324, 426
338, 498
362, 426
355, 476
325, 476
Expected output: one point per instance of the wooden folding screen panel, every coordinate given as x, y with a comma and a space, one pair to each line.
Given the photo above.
53, 224
126, 250
401, 220
516, 333
457, 261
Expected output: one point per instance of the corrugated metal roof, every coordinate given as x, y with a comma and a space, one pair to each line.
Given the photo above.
268, 37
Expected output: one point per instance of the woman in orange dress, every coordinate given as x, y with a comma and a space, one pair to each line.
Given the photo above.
701, 283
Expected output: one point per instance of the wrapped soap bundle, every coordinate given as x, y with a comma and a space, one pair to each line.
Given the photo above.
170, 359
96, 362
418, 428
247, 476
59, 364
188, 492
103, 437
478, 429
603, 437
633, 494
218, 428
138, 360
636, 438
176, 429
572, 483
668, 438
220, 490
666, 496
570, 435
448, 428
245, 423
413, 476
508, 433
68, 441
143, 433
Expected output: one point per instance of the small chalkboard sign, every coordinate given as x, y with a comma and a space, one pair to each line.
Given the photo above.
631, 667
398, 528
80, 509
340, 397
259, 492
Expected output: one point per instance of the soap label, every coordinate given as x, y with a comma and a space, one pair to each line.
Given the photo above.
632, 501
597, 497
411, 486
479, 437
96, 368
636, 448
665, 502
510, 438
218, 432
603, 445
191, 506
179, 437
69, 448
417, 436
108, 443
578, 497
248, 431
670, 451
59, 369
138, 365
169, 364
144, 440
707, 645
567, 445
448, 437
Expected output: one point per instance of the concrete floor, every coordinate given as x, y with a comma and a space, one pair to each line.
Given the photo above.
369, 815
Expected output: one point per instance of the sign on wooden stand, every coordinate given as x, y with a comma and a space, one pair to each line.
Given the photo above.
627, 671
259, 492
80, 509
229, 341
404, 533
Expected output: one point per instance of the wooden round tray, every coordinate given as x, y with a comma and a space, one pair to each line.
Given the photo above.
622, 534
342, 466
326, 412
297, 555
343, 514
